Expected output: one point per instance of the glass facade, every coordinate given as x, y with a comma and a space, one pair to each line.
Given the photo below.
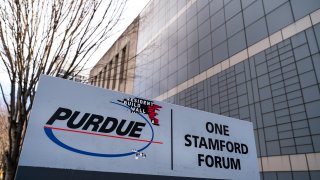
265, 58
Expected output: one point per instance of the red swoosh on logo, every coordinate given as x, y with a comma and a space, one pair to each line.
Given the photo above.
105, 135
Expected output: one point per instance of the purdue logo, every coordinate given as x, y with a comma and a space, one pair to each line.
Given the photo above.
126, 134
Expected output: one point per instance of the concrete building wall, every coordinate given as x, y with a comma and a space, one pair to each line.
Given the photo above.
115, 70
256, 60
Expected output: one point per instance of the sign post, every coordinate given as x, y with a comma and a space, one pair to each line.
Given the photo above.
78, 131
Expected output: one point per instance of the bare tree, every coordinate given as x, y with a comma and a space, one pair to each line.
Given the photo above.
46, 37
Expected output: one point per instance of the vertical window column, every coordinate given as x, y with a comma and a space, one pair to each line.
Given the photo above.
122, 70
99, 79
104, 77
95, 80
109, 75
115, 72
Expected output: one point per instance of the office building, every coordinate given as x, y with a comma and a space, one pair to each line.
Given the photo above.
255, 60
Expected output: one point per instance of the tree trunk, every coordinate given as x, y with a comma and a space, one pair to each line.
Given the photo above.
10, 169
12, 156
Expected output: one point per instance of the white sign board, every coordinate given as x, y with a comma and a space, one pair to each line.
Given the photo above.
81, 127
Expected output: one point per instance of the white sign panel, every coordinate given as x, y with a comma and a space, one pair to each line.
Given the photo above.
81, 127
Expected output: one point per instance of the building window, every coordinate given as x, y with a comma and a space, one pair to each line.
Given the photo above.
122, 63
99, 80
115, 71
109, 74
104, 76
95, 81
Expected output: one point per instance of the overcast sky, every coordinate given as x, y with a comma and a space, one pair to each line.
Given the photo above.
134, 7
